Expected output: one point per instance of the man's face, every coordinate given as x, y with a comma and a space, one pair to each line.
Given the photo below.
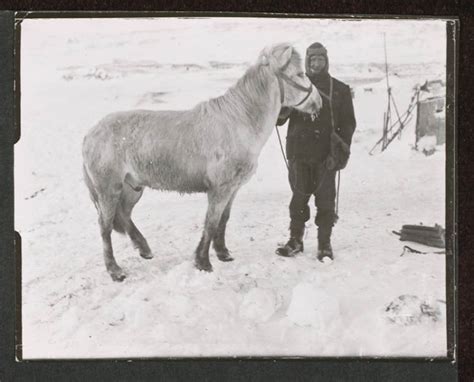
317, 64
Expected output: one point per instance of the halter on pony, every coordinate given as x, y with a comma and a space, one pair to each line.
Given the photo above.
281, 75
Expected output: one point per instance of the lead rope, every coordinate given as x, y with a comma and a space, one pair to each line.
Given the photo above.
281, 148
337, 193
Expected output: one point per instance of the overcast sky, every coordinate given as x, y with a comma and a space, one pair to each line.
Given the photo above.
239, 39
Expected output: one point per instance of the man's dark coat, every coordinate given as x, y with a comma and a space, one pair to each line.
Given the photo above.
309, 140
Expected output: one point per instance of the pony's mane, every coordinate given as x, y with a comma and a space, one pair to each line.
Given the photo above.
248, 98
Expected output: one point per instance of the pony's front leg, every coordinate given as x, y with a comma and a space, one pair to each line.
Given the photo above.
218, 200
218, 241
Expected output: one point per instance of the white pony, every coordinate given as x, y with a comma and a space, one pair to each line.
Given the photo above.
212, 148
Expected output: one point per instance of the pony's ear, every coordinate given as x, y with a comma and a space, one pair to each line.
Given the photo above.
264, 60
284, 57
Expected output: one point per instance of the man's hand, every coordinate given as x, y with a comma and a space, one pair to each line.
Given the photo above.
284, 115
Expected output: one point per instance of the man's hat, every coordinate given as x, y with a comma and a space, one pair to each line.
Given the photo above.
316, 49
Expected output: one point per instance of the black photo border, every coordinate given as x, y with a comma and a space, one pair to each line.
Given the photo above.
224, 368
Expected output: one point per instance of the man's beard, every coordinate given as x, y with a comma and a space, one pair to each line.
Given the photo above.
316, 72
319, 79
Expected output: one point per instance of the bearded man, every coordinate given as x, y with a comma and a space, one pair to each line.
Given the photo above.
316, 150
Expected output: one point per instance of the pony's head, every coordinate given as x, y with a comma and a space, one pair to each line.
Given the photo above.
296, 90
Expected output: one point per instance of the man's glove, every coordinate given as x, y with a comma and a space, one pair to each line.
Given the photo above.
338, 154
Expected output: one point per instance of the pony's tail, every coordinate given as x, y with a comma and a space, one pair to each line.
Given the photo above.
118, 223
91, 188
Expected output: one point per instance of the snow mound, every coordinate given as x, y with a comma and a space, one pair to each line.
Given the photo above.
259, 305
427, 144
179, 307
185, 276
409, 310
311, 306
95, 73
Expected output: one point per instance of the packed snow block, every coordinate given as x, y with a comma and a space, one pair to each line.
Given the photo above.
259, 305
311, 306
407, 310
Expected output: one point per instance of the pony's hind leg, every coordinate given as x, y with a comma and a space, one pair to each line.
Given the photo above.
128, 199
107, 206
218, 242
218, 200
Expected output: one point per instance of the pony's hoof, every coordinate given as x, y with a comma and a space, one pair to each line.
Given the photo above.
118, 276
146, 255
224, 256
203, 265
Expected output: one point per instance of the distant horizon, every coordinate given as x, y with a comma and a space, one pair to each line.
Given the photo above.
238, 39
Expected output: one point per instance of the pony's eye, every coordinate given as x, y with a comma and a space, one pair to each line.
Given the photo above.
301, 75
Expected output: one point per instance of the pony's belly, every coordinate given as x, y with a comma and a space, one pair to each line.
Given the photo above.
162, 177
187, 186
196, 174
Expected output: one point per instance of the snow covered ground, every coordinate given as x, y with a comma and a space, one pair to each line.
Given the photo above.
368, 302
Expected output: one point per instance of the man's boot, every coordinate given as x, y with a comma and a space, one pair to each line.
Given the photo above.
324, 243
294, 244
